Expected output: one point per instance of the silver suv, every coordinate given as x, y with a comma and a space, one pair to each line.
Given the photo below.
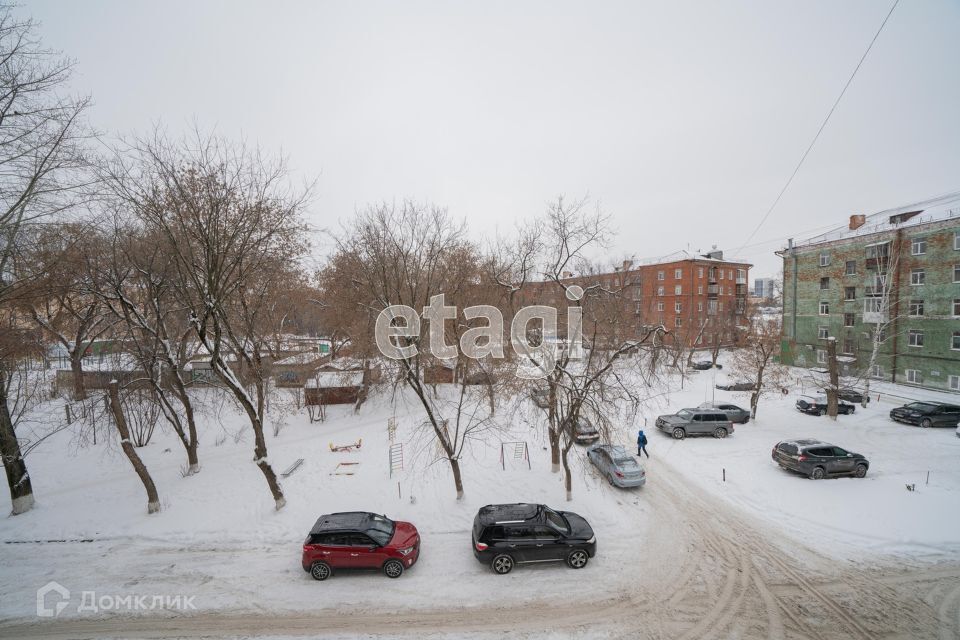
696, 422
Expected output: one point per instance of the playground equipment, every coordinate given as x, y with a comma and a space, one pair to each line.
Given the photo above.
392, 429
293, 467
396, 458
342, 469
516, 450
346, 447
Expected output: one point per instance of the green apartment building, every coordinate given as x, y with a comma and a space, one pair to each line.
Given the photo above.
888, 282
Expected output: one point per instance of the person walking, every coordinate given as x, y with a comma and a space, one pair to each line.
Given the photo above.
641, 444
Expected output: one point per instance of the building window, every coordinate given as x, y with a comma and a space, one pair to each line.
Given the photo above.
823, 333
915, 338
741, 275
955, 341
916, 307
677, 322
659, 291
918, 246
678, 273
637, 293
659, 306
824, 283
917, 276
956, 273
638, 308
678, 307
824, 259
677, 290
849, 293
719, 306
955, 383
848, 319
821, 356
700, 290
824, 308
721, 273
913, 376
851, 268
700, 272
873, 305
956, 307
848, 346
878, 250
730, 274
877, 371
956, 240
660, 275
699, 306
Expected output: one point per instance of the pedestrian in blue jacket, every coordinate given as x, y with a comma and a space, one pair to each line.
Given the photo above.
641, 444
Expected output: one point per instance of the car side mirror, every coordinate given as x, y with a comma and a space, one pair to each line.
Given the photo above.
849, 455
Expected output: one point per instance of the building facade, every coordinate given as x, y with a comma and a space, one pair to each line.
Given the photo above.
887, 288
764, 288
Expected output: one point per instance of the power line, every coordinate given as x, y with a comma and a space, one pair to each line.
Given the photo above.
824, 124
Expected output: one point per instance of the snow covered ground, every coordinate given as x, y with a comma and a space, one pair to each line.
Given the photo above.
219, 539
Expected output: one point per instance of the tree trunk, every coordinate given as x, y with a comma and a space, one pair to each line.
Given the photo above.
153, 501
755, 396
554, 450
457, 481
76, 368
567, 476
21, 490
832, 404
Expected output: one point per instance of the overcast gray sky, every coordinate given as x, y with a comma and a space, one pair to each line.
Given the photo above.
683, 119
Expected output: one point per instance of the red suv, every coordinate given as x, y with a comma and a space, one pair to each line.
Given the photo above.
360, 540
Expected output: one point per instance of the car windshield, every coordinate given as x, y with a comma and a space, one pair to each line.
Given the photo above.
381, 529
921, 406
557, 520
683, 413
626, 461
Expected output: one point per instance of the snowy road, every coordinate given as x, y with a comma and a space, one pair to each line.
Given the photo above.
719, 573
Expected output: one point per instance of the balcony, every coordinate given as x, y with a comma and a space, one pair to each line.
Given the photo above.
741, 280
713, 290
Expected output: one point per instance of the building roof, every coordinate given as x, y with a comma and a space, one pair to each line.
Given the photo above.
306, 357
910, 215
335, 379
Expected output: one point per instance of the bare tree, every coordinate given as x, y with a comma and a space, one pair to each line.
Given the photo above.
127, 444
757, 360
224, 214
410, 255
41, 158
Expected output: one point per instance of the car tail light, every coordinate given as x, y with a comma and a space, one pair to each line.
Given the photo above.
802, 459
481, 546
618, 474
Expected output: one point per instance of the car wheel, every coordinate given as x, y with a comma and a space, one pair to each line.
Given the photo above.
577, 559
320, 571
818, 473
719, 432
861, 471
502, 564
393, 568
822, 412
925, 423
679, 433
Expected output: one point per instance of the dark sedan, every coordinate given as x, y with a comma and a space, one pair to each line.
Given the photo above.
705, 365
818, 406
737, 386
928, 414
734, 413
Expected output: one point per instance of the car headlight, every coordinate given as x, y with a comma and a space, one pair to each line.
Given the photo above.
592, 540
407, 551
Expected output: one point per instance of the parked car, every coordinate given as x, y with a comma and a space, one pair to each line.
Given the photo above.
617, 465
540, 397
734, 413
928, 414
852, 395
736, 386
704, 365
817, 406
505, 535
360, 540
817, 459
584, 432
696, 422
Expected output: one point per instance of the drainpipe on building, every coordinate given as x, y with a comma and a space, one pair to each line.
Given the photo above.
793, 319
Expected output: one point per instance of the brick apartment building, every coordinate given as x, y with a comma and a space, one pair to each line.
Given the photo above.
700, 299
896, 270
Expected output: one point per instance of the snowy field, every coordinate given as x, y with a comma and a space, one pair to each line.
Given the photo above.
219, 539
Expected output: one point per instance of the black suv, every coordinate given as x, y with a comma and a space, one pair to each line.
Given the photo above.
928, 414
509, 534
819, 459
818, 406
